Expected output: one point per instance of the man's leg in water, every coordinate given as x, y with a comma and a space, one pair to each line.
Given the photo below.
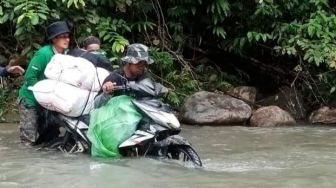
28, 123
48, 126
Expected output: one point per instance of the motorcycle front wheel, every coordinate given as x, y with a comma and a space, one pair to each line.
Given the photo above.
184, 154
58, 144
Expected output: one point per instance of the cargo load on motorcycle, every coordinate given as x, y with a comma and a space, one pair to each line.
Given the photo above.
124, 126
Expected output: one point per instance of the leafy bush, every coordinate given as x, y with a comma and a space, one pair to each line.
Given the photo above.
183, 32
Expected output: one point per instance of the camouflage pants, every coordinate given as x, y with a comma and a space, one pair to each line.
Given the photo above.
29, 117
37, 125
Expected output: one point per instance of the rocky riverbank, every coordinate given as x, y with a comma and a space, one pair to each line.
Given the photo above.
239, 107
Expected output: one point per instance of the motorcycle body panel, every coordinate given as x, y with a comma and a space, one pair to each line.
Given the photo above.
160, 117
138, 137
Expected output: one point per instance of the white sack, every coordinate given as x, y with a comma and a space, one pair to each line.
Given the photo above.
63, 98
76, 71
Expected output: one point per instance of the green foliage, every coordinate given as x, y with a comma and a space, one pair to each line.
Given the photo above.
304, 31
219, 10
143, 26
212, 79
109, 29
26, 16
312, 39
178, 82
182, 32
306, 34
181, 85
76, 3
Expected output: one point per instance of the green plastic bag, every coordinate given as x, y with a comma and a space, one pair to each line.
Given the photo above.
112, 124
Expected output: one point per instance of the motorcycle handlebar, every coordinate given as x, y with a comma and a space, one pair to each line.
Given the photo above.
143, 88
121, 87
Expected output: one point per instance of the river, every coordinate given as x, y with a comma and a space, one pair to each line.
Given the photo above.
235, 156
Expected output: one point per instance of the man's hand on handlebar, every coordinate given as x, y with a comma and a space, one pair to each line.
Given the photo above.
109, 86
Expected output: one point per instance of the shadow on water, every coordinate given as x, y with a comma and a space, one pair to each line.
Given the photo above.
232, 157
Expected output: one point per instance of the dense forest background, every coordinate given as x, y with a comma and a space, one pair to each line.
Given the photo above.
197, 45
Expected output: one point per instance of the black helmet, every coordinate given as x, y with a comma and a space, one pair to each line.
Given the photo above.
91, 40
57, 28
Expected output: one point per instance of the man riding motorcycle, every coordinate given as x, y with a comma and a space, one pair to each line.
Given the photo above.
115, 114
134, 67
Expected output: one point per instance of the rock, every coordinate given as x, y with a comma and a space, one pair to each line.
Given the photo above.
213, 78
271, 116
324, 115
206, 108
288, 99
246, 93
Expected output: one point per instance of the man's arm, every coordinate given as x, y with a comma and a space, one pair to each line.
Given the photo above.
101, 99
15, 70
107, 88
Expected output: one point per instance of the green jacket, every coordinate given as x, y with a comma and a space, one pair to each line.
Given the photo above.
35, 73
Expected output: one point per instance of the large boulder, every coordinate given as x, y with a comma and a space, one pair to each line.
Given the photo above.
206, 108
324, 115
269, 116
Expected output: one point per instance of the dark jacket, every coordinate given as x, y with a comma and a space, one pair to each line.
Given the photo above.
117, 77
96, 60
3, 71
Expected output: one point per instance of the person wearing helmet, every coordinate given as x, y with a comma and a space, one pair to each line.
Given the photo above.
31, 114
91, 43
134, 68
91, 51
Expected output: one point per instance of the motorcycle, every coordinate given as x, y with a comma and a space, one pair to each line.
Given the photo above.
157, 134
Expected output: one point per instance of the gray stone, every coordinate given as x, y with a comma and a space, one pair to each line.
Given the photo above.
271, 116
207, 108
246, 93
324, 115
288, 99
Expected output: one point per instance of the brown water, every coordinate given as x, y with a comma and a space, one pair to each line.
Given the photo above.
232, 156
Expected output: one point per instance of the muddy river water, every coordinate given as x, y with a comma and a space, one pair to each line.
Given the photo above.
234, 156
